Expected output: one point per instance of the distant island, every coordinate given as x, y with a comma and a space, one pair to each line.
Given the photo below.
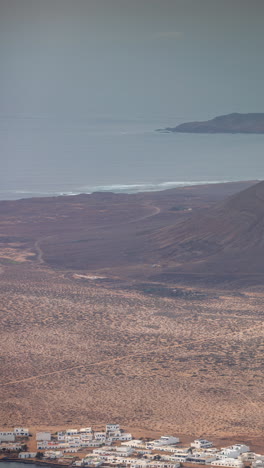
230, 123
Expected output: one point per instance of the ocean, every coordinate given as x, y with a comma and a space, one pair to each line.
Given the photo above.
43, 156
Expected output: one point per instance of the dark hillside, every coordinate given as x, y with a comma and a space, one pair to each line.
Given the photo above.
227, 238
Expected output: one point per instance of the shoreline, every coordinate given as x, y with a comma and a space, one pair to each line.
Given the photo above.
34, 462
120, 189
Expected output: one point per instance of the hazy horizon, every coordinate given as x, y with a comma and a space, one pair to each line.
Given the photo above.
73, 70
172, 57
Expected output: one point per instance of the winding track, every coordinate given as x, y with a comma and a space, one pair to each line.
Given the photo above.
106, 361
40, 253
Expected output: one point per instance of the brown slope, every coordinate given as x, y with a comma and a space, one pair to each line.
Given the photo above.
122, 233
225, 239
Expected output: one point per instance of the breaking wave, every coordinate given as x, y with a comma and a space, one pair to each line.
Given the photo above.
115, 188
135, 188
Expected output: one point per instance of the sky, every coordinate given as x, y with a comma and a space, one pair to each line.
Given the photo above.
190, 58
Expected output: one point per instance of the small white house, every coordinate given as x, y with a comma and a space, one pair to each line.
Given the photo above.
27, 455
258, 463
91, 460
124, 451
53, 455
248, 456
228, 462
13, 446
201, 444
42, 445
94, 443
125, 436
21, 431
234, 451
164, 440
134, 443
201, 458
40, 436
112, 428
71, 432
180, 456
86, 430
70, 450
100, 436
7, 436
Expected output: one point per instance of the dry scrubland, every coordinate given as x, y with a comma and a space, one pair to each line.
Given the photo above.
73, 352
76, 350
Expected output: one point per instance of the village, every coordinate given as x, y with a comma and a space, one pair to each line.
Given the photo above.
113, 447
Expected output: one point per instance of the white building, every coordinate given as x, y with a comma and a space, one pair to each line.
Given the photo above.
53, 455
228, 462
7, 436
164, 440
153, 464
21, 431
166, 448
42, 444
13, 446
27, 454
248, 456
259, 463
112, 428
70, 450
136, 443
124, 451
71, 431
200, 458
201, 444
234, 451
90, 460
43, 436
94, 443
120, 437
86, 430
180, 456
121, 451
101, 436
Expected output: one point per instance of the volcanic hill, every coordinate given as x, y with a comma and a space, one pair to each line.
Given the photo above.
225, 240
210, 234
230, 123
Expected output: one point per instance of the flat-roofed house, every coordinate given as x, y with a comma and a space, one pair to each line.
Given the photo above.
40, 436
201, 444
21, 431
27, 455
7, 436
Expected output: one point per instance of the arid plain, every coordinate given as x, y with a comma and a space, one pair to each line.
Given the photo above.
91, 333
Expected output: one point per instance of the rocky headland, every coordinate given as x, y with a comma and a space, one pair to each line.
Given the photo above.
230, 123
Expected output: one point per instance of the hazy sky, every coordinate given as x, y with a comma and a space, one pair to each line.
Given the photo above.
192, 58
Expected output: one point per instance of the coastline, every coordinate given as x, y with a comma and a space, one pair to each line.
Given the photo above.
120, 189
34, 462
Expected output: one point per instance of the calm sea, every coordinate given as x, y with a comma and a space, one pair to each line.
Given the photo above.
42, 156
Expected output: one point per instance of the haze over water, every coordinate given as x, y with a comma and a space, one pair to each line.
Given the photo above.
84, 85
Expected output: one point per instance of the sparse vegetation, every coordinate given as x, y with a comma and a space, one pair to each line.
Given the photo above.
80, 349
